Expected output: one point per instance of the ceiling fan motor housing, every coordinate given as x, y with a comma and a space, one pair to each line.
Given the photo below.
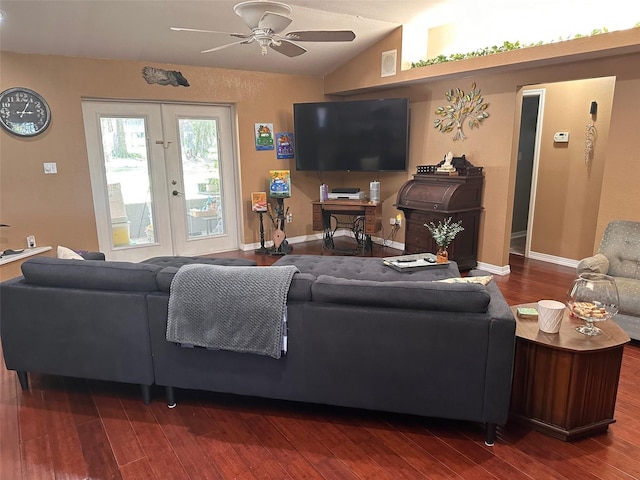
253, 11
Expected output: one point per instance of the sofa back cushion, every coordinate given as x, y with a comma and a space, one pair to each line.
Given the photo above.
90, 274
621, 245
417, 295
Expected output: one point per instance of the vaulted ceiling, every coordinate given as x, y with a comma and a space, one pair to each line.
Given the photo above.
140, 30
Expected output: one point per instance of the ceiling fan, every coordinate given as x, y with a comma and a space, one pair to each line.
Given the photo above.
267, 20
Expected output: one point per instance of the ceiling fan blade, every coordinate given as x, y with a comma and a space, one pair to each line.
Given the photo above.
197, 30
215, 49
274, 22
321, 36
288, 48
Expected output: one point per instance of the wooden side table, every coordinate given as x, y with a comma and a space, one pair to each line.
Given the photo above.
565, 384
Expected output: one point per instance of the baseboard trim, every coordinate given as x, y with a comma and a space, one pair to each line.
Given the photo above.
245, 247
566, 262
495, 269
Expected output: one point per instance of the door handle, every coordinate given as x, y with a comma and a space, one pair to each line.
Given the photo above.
175, 193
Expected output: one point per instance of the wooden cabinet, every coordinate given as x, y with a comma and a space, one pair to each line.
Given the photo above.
433, 197
565, 384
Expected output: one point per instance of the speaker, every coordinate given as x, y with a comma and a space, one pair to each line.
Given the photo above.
388, 63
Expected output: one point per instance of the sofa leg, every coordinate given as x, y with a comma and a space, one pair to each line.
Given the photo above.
490, 437
146, 394
23, 379
171, 396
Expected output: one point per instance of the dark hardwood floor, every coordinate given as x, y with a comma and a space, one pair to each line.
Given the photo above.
74, 429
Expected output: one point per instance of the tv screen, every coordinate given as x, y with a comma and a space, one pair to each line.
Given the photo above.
362, 135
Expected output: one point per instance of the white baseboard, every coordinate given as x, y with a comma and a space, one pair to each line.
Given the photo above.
567, 262
506, 270
245, 247
495, 269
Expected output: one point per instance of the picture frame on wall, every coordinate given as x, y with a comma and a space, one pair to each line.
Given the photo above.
284, 144
264, 136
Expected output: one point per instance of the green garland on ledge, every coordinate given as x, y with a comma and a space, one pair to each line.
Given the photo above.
505, 47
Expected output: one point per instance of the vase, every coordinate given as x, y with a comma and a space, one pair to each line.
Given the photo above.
442, 256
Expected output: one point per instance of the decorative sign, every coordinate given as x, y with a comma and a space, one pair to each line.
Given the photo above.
259, 201
279, 183
284, 142
264, 136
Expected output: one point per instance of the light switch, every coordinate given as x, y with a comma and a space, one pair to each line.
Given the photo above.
50, 168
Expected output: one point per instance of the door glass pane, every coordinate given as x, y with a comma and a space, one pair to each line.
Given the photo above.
124, 147
201, 176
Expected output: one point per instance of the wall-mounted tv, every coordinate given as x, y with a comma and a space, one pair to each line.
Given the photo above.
361, 135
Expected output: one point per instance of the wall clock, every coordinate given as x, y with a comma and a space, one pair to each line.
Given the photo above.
23, 112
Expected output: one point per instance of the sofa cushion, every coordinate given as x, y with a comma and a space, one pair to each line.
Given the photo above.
363, 268
169, 261
621, 245
300, 288
90, 274
629, 293
67, 254
418, 295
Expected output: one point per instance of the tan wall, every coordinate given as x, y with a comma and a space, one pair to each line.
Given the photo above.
620, 195
58, 209
494, 145
566, 206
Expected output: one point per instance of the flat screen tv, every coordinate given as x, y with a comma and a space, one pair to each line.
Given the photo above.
361, 135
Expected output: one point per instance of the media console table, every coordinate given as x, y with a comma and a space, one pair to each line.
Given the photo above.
365, 220
565, 384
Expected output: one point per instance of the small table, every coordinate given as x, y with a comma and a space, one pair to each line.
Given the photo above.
366, 219
565, 384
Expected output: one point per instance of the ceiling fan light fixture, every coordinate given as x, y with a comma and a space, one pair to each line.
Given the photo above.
264, 43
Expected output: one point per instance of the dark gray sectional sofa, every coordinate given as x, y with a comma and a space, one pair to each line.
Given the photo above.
359, 335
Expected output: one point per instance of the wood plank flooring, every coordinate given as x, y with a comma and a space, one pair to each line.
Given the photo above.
74, 429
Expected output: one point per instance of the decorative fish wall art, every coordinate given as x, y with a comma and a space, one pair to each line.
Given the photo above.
164, 77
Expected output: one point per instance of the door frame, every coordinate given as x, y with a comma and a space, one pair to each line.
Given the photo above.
540, 93
157, 149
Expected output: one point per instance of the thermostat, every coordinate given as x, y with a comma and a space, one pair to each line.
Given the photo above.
561, 137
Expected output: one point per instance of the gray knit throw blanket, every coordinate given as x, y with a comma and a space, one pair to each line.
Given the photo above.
230, 308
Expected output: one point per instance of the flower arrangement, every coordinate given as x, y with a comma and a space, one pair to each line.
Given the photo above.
444, 233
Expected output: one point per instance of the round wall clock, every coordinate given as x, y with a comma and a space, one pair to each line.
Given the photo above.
23, 112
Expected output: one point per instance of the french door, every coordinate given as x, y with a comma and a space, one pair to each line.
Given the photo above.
163, 178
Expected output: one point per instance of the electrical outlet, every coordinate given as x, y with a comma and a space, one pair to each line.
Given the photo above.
289, 217
399, 220
392, 221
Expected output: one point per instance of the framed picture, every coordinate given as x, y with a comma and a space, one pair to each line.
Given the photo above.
264, 136
284, 145
259, 201
279, 183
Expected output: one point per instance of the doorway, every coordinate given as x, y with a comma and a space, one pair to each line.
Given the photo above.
163, 178
528, 159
